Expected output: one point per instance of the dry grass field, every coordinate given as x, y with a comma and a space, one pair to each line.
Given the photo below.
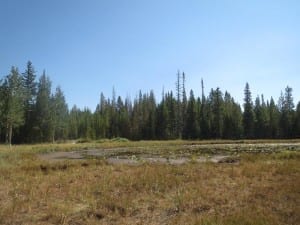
257, 188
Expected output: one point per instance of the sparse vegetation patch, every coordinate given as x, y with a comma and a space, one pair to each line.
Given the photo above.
247, 188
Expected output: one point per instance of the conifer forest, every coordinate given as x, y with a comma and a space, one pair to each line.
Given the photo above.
30, 112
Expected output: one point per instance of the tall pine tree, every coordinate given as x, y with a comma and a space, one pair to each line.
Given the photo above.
191, 126
204, 114
286, 105
30, 91
248, 115
273, 130
232, 128
59, 115
13, 108
216, 104
44, 124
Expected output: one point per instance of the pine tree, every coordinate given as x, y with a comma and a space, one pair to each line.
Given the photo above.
170, 102
123, 118
44, 122
273, 120
216, 104
86, 129
13, 108
144, 117
248, 115
162, 119
59, 115
73, 123
237, 121
137, 117
286, 106
151, 108
178, 114
265, 118
198, 116
184, 101
30, 91
129, 109
258, 123
232, 128
113, 116
181, 104
102, 118
261, 126
191, 126
204, 120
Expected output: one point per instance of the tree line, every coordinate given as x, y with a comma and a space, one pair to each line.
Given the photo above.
30, 112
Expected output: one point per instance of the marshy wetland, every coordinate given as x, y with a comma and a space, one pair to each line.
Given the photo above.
155, 182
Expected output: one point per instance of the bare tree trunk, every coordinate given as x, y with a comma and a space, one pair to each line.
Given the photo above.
10, 134
7, 134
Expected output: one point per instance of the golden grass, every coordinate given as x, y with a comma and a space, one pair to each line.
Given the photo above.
261, 189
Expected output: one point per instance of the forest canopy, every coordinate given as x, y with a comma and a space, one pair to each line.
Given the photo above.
30, 112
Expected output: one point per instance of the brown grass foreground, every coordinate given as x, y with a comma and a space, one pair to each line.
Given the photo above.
261, 189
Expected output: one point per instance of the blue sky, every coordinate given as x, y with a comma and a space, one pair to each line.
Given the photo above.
89, 46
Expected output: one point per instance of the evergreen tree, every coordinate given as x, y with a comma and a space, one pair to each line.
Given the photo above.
123, 118
113, 117
129, 109
170, 102
13, 108
59, 115
288, 99
137, 117
144, 117
258, 123
265, 118
30, 91
86, 129
178, 114
191, 126
273, 120
282, 115
102, 118
248, 115
232, 128
44, 124
204, 115
184, 102
151, 108
237, 121
261, 126
162, 126
216, 104
73, 123
198, 116
97, 122
286, 107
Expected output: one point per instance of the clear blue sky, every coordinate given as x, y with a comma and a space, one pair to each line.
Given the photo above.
89, 46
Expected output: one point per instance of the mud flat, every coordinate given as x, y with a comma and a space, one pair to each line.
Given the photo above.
215, 153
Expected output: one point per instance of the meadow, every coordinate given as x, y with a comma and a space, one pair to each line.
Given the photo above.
257, 183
